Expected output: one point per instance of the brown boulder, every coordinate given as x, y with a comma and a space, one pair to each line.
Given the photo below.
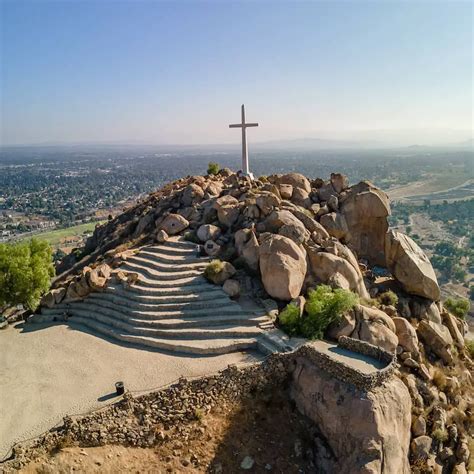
192, 194
225, 271
336, 225
376, 328
232, 288
343, 327
436, 338
410, 266
407, 337
365, 209
451, 323
339, 182
301, 197
174, 224
48, 300
283, 267
297, 180
325, 266
208, 232
96, 282
267, 202
286, 190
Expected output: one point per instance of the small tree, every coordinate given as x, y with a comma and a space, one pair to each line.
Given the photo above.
26, 270
458, 306
213, 168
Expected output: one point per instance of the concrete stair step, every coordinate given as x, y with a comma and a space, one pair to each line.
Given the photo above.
158, 312
221, 331
189, 346
169, 319
135, 300
203, 289
148, 280
157, 275
167, 260
186, 320
147, 262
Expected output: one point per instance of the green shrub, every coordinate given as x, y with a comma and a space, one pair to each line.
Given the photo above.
389, 298
213, 269
440, 435
323, 307
26, 269
290, 320
458, 306
213, 168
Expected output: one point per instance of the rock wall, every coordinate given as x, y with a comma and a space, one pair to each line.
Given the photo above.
378, 412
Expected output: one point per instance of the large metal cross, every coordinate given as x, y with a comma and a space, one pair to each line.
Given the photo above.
245, 158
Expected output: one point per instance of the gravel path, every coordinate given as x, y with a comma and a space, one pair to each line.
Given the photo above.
47, 372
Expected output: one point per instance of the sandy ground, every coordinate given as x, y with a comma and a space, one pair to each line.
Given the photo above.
47, 372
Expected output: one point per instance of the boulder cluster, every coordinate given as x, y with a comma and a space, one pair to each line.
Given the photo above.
289, 234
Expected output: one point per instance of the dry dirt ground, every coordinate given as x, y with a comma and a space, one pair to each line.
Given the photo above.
48, 371
267, 431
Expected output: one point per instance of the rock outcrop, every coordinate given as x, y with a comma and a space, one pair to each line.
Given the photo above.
365, 209
283, 266
359, 431
410, 266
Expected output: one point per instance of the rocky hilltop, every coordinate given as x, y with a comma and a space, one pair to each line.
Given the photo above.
280, 236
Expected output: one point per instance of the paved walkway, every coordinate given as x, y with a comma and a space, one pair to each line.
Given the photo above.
363, 363
56, 370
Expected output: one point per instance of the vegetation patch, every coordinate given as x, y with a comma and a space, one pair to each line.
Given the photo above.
458, 306
213, 269
26, 269
324, 306
388, 298
213, 168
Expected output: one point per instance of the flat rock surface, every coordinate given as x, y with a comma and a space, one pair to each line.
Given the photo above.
365, 364
49, 371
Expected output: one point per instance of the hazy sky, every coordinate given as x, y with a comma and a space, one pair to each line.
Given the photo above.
177, 72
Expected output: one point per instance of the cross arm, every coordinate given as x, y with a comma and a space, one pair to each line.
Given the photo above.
251, 124
235, 125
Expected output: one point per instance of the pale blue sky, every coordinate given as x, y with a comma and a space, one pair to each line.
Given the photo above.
177, 72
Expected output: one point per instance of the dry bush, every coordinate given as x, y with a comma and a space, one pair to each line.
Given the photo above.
439, 379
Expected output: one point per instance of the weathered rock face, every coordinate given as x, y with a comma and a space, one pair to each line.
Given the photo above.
437, 338
326, 265
283, 267
410, 266
376, 328
247, 247
174, 224
208, 232
407, 337
367, 432
296, 180
365, 209
192, 194
336, 225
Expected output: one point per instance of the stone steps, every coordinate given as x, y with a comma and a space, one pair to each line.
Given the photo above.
171, 307
200, 347
221, 331
152, 312
159, 275
170, 321
161, 267
168, 260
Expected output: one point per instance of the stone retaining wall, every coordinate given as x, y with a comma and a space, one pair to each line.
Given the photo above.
132, 420
346, 373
